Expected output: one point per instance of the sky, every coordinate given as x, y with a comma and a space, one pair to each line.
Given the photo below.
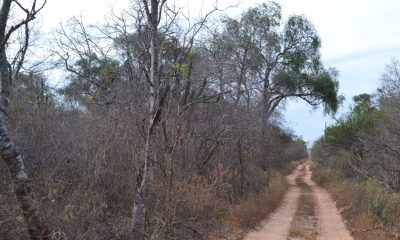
358, 38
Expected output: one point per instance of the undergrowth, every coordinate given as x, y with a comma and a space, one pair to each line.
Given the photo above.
371, 210
250, 212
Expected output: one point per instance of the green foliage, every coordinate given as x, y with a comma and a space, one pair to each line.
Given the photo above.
362, 118
263, 18
182, 68
32, 88
288, 51
91, 79
300, 141
326, 86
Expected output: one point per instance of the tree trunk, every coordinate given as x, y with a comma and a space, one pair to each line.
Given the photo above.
241, 79
143, 186
145, 178
266, 114
241, 163
13, 159
8, 150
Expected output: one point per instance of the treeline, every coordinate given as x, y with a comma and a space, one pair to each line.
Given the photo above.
163, 128
358, 158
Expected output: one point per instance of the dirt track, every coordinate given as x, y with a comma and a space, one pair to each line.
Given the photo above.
289, 222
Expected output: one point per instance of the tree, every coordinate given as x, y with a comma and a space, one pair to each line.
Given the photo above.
31, 87
8, 151
192, 125
362, 118
92, 84
361, 140
170, 93
390, 83
283, 57
92, 71
157, 95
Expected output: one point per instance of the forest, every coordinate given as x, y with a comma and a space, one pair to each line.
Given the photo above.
171, 127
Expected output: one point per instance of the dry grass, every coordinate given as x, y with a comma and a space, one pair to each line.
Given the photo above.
304, 223
250, 213
364, 227
298, 232
295, 164
371, 211
303, 186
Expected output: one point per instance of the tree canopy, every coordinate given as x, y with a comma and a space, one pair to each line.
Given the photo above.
278, 59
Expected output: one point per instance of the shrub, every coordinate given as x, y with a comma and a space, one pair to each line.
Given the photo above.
368, 200
248, 214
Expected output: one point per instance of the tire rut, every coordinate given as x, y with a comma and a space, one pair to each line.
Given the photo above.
307, 212
305, 222
276, 227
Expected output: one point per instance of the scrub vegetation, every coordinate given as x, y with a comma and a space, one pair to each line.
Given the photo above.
164, 127
357, 159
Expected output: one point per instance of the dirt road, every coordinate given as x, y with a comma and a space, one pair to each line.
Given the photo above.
307, 212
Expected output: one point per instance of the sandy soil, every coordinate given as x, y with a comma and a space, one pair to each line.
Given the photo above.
277, 226
330, 225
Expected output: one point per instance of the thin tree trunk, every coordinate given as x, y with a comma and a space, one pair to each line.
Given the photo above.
266, 114
143, 186
241, 163
241, 79
145, 179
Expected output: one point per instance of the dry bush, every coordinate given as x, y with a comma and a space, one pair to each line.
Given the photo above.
83, 168
249, 213
364, 227
83, 163
371, 210
213, 167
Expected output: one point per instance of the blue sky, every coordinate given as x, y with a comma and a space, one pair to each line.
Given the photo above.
358, 38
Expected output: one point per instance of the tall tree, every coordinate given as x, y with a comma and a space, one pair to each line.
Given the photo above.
169, 85
157, 95
283, 56
8, 151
